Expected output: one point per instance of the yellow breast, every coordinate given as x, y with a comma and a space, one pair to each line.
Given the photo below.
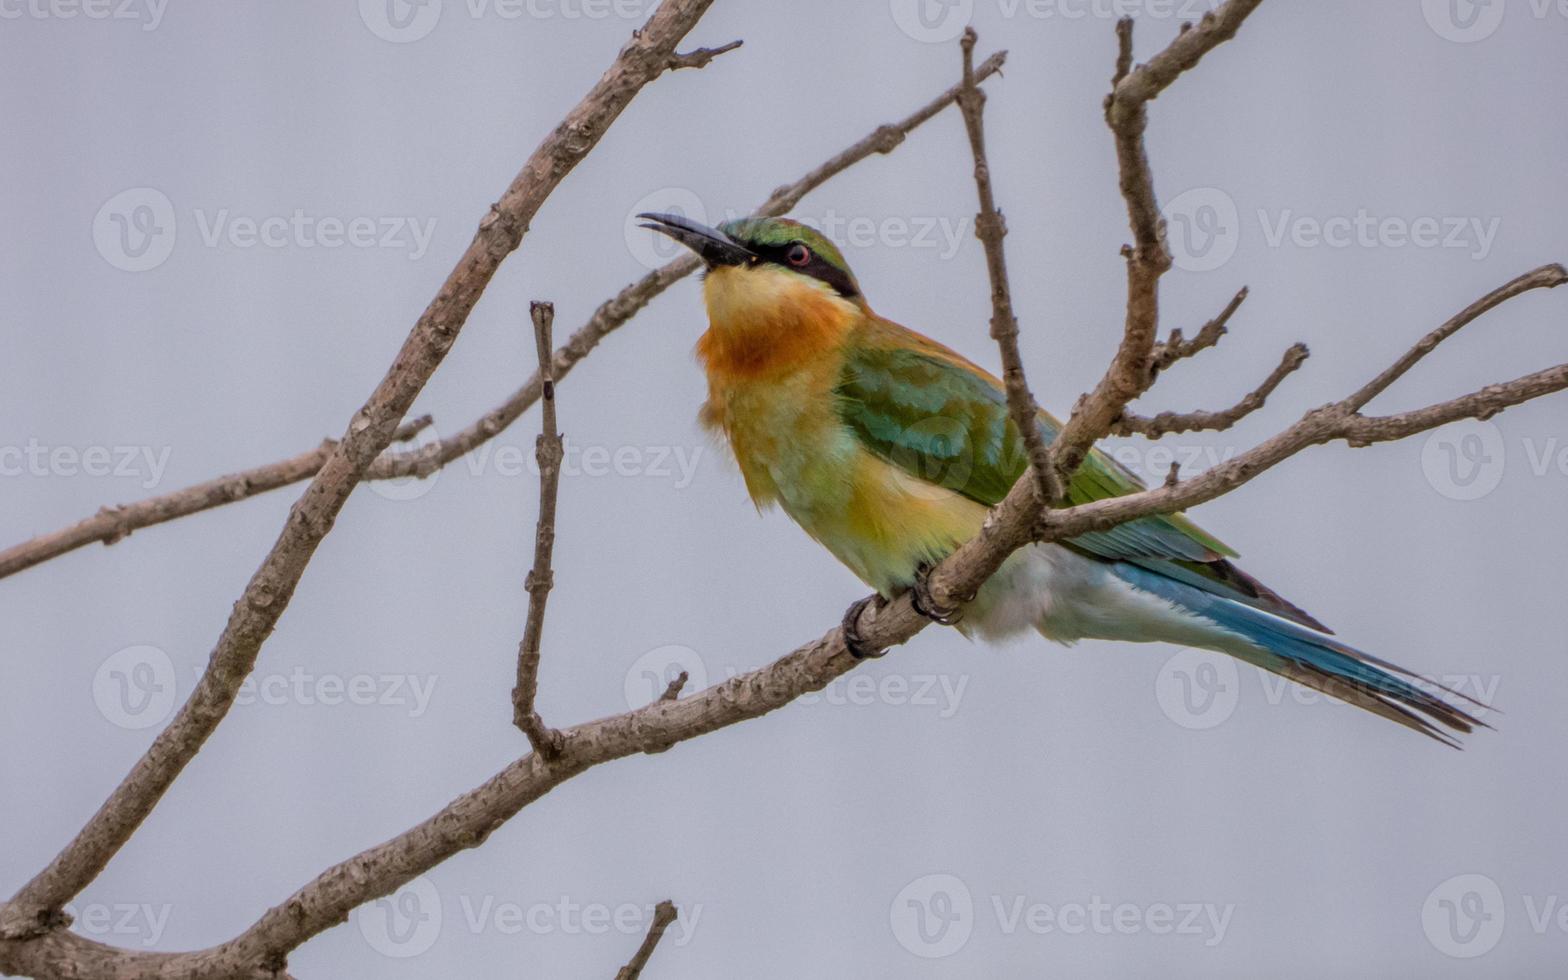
774, 357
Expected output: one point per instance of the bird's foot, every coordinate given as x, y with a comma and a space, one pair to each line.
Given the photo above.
925, 603
853, 641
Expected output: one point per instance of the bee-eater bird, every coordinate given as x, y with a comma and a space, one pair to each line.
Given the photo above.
888, 448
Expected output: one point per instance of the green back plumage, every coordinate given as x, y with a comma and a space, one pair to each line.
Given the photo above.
927, 410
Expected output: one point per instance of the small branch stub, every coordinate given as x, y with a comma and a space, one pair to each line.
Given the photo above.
700, 57
663, 914
673, 690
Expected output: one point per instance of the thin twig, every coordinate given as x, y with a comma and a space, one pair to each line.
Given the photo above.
36, 907
541, 578
1169, 423
1176, 347
991, 228
410, 430
1123, 51
1546, 277
113, 523
700, 57
663, 914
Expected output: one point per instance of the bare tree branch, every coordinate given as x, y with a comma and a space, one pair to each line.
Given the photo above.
409, 430
663, 914
541, 578
1176, 347
112, 524
36, 907
1328, 423
1126, 112
991, 228
1167, 423
1145, 83
1546, 277
63, 955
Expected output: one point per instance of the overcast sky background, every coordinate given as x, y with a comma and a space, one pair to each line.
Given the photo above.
948, 811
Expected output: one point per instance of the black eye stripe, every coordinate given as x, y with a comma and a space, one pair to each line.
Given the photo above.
817, 268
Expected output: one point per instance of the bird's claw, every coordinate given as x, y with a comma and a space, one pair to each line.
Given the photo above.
851, 627
925, 603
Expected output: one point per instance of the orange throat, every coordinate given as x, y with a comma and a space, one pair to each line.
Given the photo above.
764, 321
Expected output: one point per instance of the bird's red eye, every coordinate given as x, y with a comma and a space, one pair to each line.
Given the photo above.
798, 254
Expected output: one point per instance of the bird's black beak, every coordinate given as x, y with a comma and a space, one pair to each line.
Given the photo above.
713, 246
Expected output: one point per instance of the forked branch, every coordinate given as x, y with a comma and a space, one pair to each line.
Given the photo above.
1177, 347
1171, 423
1131, 371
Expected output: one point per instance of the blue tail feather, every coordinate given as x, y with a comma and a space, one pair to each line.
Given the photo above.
1313, 658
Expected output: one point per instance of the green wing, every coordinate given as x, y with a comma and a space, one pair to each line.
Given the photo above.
940, 418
